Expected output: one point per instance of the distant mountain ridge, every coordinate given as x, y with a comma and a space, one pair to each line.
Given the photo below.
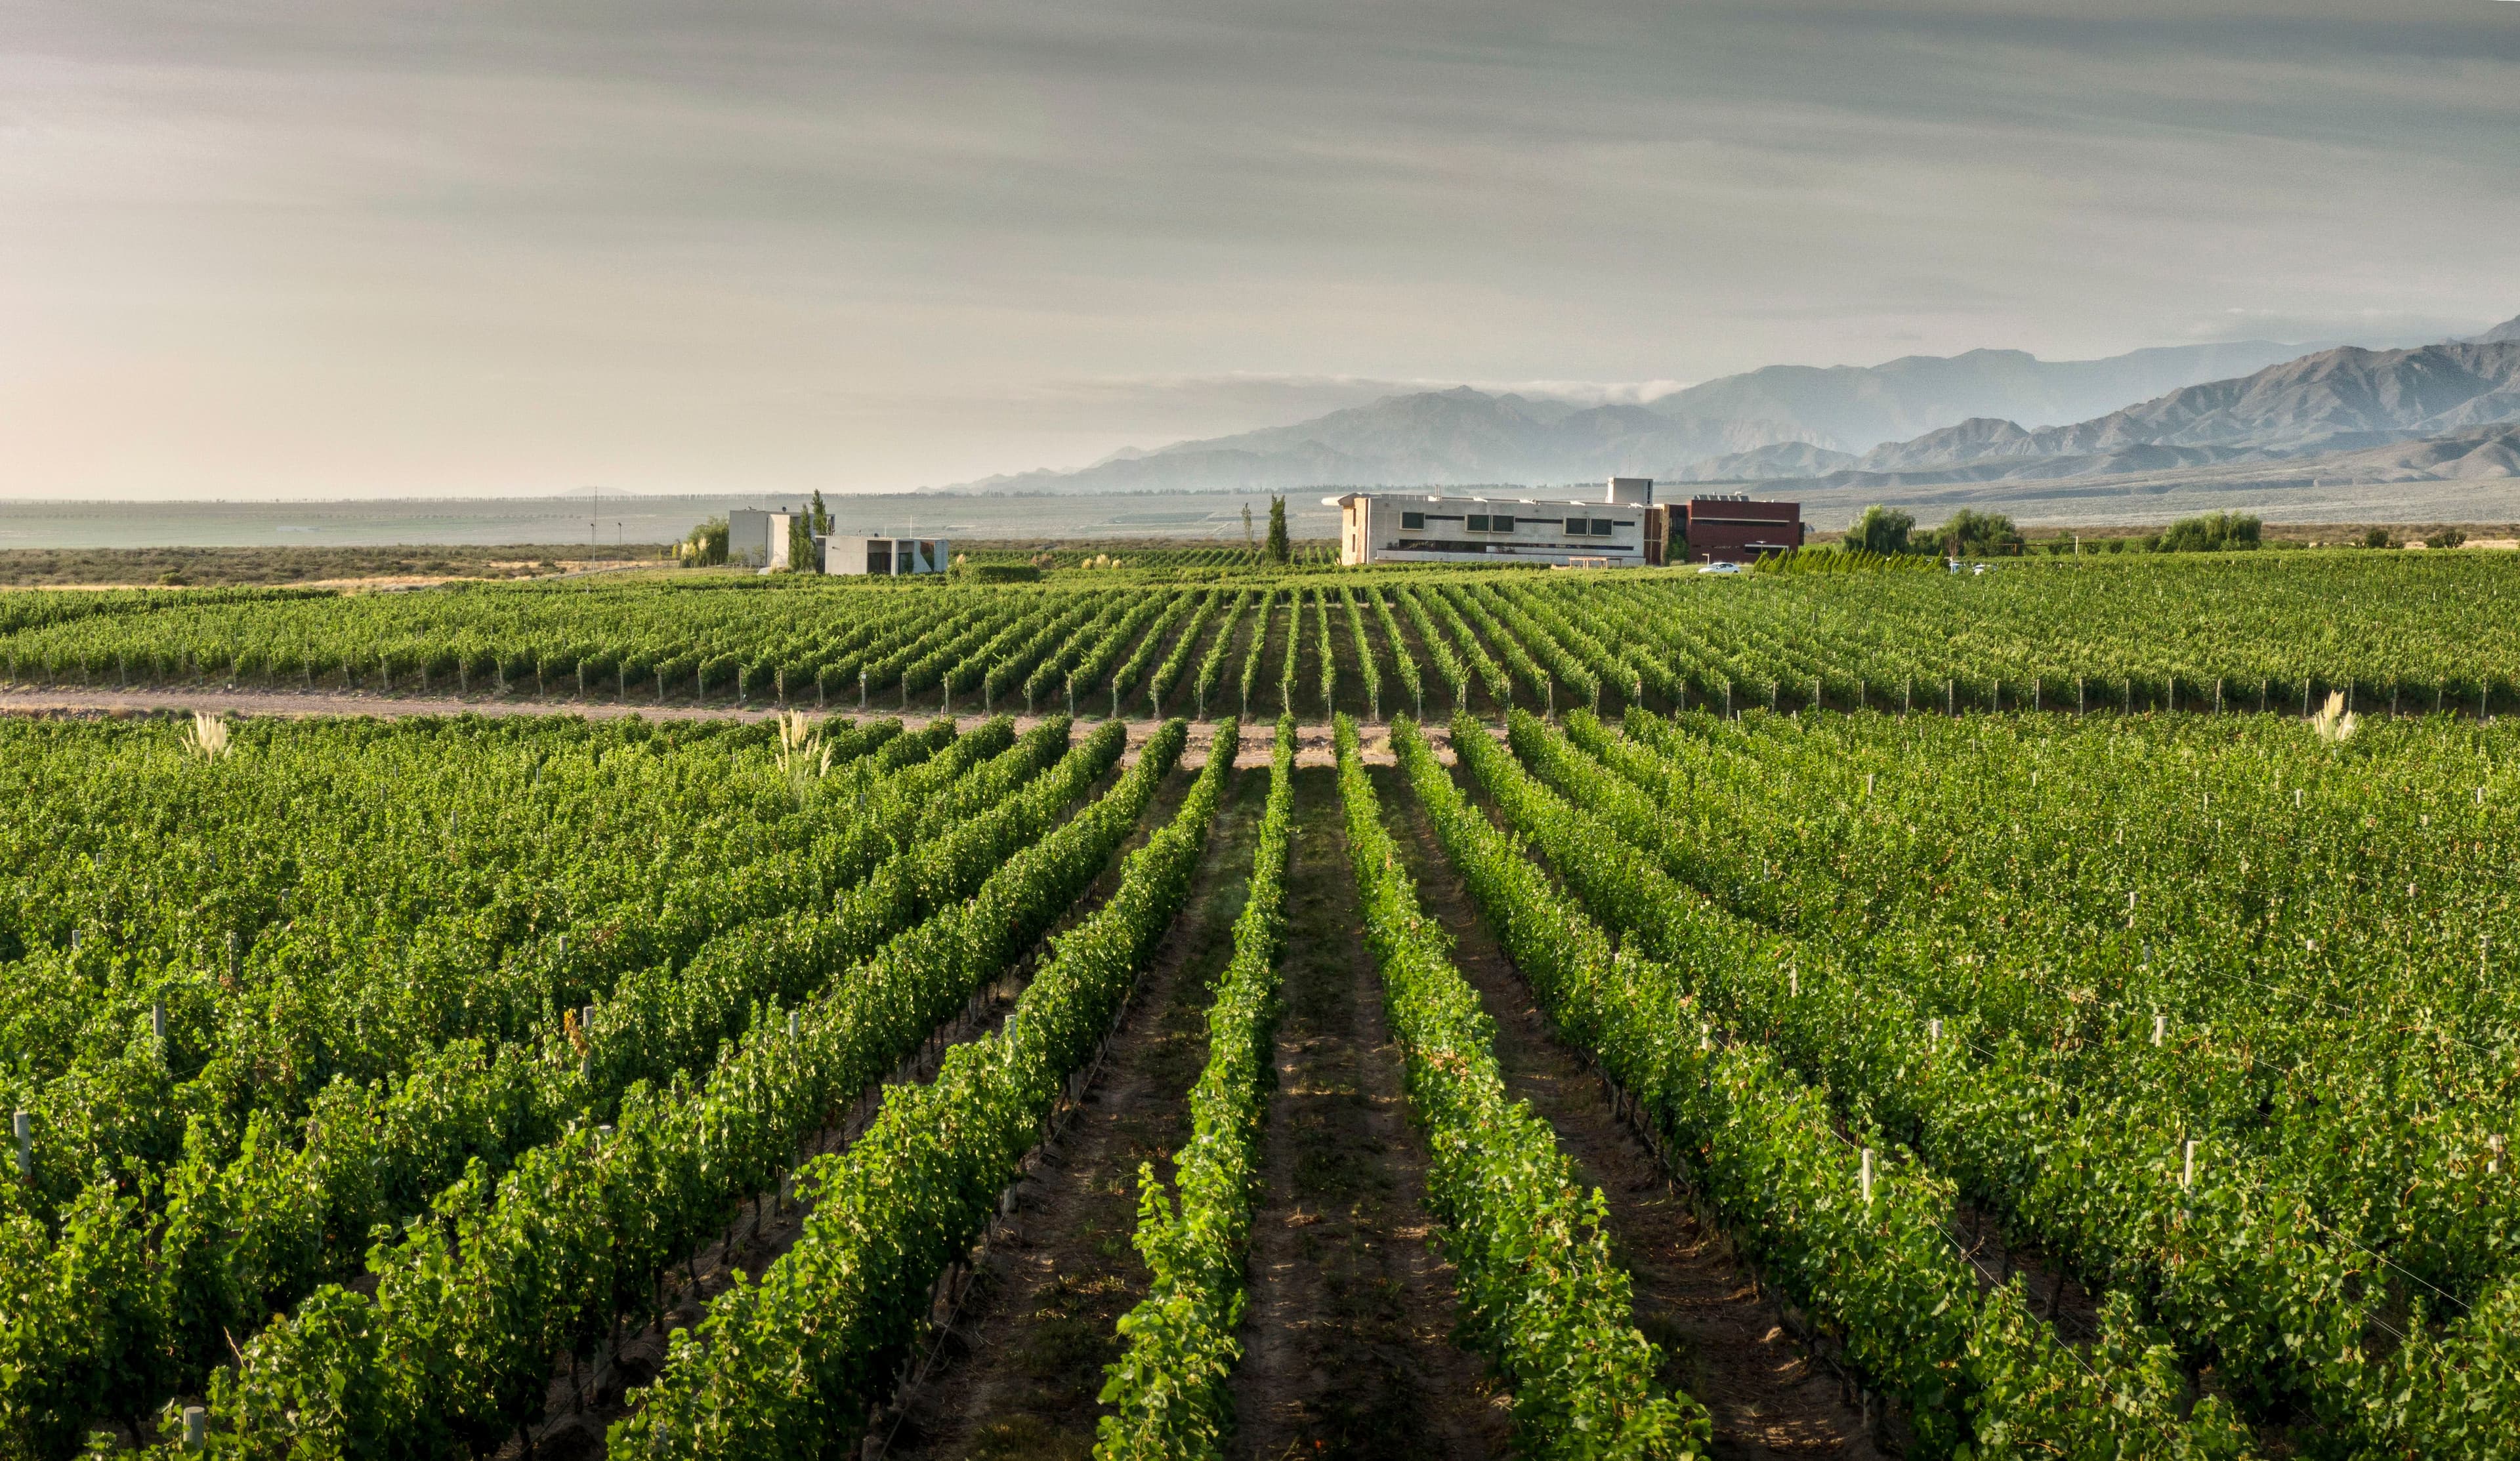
1465, 435
2340, 400
1983, 415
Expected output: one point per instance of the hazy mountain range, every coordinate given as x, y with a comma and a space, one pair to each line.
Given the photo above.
1985, 416
2348, 400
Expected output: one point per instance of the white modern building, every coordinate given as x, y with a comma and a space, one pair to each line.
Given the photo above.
1622, 530
757, 538
889, 556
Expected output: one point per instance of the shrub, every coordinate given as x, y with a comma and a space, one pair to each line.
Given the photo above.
2213, 532
1974, 534
1881, 530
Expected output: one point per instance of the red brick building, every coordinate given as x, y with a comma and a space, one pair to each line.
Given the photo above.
1736, 530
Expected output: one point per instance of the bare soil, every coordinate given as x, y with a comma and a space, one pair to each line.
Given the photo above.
1021, 1366
1723, 1342
1347, 1350
586, 1399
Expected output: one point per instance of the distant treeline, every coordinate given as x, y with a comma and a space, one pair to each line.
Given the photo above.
1886, 532
176, 568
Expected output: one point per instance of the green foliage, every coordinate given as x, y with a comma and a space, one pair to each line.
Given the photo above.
1847, 559
2046, 892
1170, 1391
705, 545
1672, 1015
786, 1366
249, 1229
1881, 531
2426, 630
470, 1307
2213, 532
1540, 1293
1972, 534
1278, 551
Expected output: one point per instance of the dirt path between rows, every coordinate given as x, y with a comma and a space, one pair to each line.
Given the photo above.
1258, 738
1346, 1337
1023, 1361
585, 1400
1722, 1341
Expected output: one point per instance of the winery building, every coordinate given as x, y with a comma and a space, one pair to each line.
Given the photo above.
757, 538
885, 556
1736, 530
1416, 527
1625, 529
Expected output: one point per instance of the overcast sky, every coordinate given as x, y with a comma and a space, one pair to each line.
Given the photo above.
491, 246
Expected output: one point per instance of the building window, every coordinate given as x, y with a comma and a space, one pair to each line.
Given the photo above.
1413, 522
1602, 527
1478, 522
1500, 524
1574, 527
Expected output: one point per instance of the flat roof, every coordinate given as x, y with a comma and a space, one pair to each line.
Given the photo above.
1344, 497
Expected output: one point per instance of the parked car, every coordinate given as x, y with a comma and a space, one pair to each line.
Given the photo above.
1720, 569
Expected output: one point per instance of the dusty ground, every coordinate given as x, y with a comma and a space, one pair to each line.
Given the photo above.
585, 1400
1722, 1340
1348, 1336
1023, 1364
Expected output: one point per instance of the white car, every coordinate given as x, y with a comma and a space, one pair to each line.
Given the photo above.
1720, 569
